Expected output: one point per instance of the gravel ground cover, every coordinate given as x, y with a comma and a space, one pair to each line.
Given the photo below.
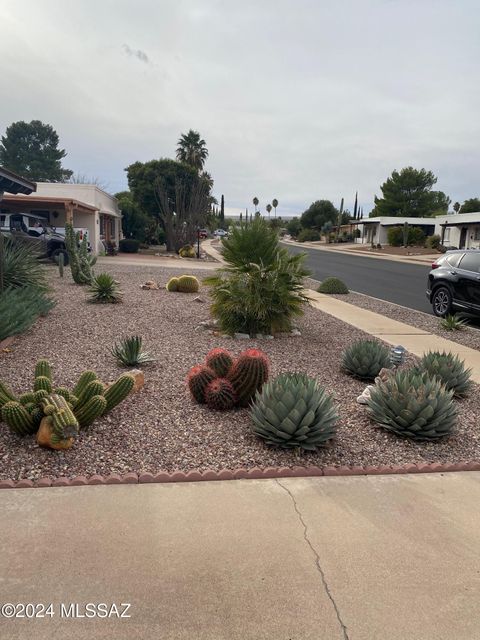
469, 336
160, 428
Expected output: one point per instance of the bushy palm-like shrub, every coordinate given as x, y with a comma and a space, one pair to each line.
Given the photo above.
105, 289
261, 289
365, 359
19, 267
413, 405
294, 411
129, 352
333, 285
20, 308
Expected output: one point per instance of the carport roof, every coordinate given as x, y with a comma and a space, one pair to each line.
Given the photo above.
44, 201
12, 183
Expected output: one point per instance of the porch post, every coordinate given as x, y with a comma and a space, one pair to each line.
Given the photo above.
69, 212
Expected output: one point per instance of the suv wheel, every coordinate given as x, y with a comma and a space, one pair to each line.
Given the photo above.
54, 255
442, 301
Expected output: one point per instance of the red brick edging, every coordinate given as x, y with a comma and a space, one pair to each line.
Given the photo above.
237, 474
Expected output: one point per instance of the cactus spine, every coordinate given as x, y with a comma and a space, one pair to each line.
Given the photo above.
220, 361
43, 368
220, 395
91, 410
93, 388
188, 284
172, 284
248, 374
18, 418
5, 394
42, 383
199, 377
118, 391
85, 378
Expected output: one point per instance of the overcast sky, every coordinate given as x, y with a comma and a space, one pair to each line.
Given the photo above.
296, 99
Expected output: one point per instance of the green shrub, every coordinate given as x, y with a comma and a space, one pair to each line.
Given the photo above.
413, 405
308, 235
105, 289
365, 359
129, 245
293, 411
453, 323
20, 308
333, 285
261, 288
19, 266
261, 300
433, 242
187, 251
129, 353
415, 236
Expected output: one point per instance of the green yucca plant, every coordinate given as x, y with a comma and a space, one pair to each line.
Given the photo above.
105, 289
19, 266
449, 369
128, 352
413, 405
20, 308
453, 323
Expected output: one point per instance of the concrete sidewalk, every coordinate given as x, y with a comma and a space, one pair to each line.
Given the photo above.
364, 558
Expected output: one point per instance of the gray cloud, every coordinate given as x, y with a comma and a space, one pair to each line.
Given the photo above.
296, 100
135, 53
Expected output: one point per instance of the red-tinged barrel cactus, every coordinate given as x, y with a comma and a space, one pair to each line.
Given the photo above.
220, 360
197, 380
248, 374
220, 395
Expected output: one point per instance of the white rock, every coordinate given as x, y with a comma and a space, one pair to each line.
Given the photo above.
362, 399
241, 336
295, 332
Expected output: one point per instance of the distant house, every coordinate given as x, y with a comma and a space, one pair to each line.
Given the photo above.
86, 206
460, 230
376, 229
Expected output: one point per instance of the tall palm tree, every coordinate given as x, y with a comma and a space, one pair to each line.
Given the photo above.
268, 208
275, 205
192, 149
255, 202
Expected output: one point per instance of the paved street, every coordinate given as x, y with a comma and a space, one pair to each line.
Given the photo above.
393, 281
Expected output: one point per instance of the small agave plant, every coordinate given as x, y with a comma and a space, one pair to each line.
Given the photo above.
129, 353
449, 369
293, 411
105, 289
365, 359
413, 405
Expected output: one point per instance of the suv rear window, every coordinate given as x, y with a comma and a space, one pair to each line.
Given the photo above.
471, 262
454, 259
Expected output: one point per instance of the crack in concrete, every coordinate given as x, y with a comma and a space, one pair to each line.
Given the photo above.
317, 560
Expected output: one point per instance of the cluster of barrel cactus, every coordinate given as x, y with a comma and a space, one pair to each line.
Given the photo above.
187, 251
67, 411
223, 382
183, 284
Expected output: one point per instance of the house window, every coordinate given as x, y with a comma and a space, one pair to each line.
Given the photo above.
446, 234
477, 233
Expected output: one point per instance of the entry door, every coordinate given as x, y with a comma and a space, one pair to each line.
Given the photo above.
463, 237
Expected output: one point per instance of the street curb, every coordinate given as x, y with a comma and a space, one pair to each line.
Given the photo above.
254, 473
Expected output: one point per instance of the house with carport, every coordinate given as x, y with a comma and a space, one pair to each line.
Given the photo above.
460, 230
375, 230
86, 206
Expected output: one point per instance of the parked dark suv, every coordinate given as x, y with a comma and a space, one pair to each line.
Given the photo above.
454, 283
34, 232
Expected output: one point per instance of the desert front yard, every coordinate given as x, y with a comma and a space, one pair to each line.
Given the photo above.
161, 428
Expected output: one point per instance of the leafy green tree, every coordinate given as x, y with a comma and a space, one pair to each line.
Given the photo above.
135, 222
174, 194
31, 150
456, 207
222, 210
409, 193
192, 150
318, 213
470, 206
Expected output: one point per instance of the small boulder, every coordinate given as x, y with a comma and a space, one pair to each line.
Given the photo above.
44, 436
139, 379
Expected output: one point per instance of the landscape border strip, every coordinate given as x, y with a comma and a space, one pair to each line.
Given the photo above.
254, 473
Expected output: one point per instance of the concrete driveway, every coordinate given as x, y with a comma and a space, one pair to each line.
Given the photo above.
357, 558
